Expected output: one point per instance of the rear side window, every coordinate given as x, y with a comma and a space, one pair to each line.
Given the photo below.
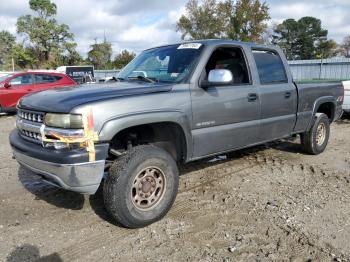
58, 78
42, 78
270, 67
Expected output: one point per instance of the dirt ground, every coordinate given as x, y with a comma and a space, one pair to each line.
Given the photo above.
268, 203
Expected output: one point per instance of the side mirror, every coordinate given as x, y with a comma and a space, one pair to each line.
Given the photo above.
218, 77
7, 85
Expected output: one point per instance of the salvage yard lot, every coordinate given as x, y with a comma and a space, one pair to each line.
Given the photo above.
270, 203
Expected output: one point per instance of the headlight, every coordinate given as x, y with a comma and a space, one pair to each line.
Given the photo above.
64, 120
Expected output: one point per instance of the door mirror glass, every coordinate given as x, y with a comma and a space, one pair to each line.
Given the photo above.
7, 85
220, 76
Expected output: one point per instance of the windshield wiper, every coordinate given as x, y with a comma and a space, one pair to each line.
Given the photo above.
143, 78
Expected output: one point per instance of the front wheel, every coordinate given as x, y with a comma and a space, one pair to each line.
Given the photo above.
315, 140
141, 186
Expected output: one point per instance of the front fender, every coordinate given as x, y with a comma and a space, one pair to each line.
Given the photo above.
119, 123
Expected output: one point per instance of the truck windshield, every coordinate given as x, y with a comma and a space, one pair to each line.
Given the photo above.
170, 64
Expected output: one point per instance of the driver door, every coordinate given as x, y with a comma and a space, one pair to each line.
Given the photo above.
20, 86
225, 117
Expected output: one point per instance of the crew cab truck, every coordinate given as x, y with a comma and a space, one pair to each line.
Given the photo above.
197, 99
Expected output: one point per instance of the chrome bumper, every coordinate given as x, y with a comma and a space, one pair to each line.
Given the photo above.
81, 177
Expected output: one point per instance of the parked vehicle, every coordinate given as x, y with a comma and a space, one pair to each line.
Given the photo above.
16, 85
199, 99
346, 104
80, 74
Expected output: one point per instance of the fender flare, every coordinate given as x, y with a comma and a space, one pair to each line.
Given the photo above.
319, 101
113, 126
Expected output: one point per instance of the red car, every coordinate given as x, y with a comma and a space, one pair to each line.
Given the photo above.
14, 86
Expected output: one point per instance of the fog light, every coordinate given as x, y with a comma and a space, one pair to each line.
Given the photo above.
60, 145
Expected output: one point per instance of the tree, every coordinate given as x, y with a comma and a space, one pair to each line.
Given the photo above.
71, 55
100, 55
23, 56
346, 46
243, 20
200, 21
42, 32
123, 58
286, 36
326, 49
303, 39
7, 41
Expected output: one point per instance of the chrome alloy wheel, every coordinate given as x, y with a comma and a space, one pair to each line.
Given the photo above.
148, 188
321, 134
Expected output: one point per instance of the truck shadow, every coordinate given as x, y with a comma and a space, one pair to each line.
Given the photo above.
50, 194
289, 145
345, 120
97, 205
28, 252
75, 201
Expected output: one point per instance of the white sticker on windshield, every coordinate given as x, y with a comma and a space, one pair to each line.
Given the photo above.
190, 46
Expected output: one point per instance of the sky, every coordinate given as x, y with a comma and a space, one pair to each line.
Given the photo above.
137, 25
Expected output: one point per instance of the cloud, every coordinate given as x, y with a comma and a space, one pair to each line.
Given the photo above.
137, 25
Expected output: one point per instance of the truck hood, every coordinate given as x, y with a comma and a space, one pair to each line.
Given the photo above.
63, 100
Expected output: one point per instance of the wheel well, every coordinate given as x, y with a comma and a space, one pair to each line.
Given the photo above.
166, 135
327, 108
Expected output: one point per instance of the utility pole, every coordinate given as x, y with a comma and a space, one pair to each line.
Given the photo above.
13, 64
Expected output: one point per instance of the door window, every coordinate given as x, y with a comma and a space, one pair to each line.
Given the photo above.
270, 67
22, 80
230, 58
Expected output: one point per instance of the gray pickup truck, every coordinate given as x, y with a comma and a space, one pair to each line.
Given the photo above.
171, 105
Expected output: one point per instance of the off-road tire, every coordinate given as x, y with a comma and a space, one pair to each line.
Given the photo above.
309, 139
119, 185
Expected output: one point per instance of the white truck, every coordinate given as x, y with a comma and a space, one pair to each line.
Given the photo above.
346, 104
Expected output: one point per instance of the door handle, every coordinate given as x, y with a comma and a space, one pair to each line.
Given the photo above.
287, 94
252, 97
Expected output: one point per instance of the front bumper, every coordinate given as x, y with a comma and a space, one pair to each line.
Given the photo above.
69, 169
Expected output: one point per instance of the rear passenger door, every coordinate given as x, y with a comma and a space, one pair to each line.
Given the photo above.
45, 81
278, 95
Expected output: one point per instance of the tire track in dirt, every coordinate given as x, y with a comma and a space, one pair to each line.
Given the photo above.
98, 241
177, 211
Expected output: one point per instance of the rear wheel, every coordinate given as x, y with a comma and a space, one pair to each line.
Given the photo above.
315, 140
141, 186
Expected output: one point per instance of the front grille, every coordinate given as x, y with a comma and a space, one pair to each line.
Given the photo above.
32, 135
37, 117
29, 123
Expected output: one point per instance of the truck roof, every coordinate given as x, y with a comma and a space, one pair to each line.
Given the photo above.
215, 42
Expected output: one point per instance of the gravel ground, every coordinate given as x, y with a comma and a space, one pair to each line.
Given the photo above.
268, 203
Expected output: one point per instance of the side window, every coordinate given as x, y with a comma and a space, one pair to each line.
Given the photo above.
58, 78
230, 58
42, 79
22, 80
270, 67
